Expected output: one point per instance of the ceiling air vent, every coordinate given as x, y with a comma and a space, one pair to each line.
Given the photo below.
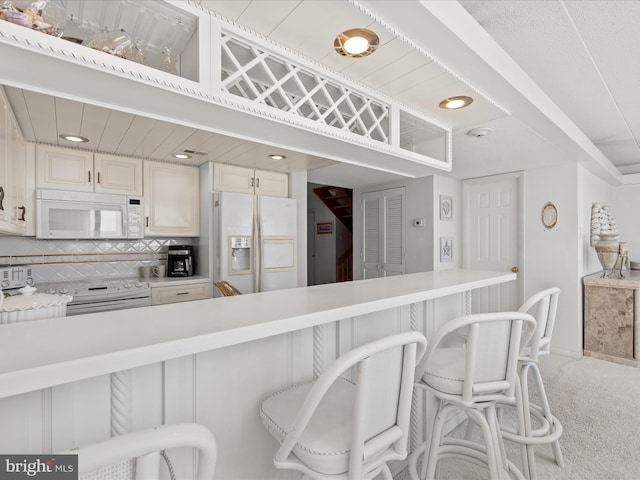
193, 152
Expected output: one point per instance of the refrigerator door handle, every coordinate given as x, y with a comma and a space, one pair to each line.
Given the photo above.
257, 244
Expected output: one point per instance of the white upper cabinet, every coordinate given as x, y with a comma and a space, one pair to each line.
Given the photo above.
69, 169
114, 174
13, 174
20, 215
229, 178
273, 184
64, 169
4, 164
171, 200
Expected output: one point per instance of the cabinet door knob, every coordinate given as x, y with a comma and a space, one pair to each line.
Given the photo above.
515, 269
258, 183
2, 198
98, 177
23, 210
252, 181
147, 221
89, 172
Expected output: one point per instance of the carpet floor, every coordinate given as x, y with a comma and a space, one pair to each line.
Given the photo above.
598, 404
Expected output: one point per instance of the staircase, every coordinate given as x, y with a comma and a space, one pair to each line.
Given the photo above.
339, 201
344, 266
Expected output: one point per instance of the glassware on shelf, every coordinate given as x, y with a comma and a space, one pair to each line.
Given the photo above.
113, 42
55, 14
168, 62
135, 53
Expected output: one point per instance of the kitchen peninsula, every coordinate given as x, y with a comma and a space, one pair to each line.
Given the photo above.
209, 361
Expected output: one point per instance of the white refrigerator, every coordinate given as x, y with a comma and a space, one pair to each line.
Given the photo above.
255, 241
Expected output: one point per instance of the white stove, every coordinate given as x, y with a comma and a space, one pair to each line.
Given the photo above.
96, 295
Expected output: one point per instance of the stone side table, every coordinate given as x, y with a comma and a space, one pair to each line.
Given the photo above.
612, 318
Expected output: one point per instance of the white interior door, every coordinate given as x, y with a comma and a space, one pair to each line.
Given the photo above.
492, 237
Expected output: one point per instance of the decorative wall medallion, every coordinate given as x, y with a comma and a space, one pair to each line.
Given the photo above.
549, 215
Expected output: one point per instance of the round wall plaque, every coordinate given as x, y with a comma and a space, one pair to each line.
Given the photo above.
549, 215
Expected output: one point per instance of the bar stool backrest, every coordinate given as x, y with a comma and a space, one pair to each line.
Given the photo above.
492, 342
543, 305
136, 455
383, 374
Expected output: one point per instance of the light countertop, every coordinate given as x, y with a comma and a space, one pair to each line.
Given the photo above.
174, 281
44, 353
630, 280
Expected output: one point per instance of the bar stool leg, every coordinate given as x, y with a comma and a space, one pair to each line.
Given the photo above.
546, 410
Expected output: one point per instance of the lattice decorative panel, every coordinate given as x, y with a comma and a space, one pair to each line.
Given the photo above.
257, 75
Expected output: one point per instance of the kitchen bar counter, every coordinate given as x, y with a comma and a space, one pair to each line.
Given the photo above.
44, 353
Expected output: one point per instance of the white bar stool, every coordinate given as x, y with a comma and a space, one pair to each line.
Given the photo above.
543, 306
472, 378
136, 455
335, 428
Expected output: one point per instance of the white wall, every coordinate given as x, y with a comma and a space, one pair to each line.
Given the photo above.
551, 255
625, 206
447, 228
590, 189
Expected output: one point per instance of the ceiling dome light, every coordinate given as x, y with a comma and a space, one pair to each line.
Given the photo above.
73, 138
181, 156
356, 43
277, 157
479, 132
453, 103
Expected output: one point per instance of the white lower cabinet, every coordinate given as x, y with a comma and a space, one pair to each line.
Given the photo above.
180, 293
171, 200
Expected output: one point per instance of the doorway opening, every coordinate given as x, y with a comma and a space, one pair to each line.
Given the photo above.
329, 234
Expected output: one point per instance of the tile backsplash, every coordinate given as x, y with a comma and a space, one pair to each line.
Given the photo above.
64, 260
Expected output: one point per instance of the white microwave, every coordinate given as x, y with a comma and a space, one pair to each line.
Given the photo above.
74, 215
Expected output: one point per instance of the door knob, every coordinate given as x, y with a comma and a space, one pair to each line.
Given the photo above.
515, 269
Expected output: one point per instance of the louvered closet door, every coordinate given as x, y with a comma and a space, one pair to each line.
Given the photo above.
383, 233
371, 247
393, 238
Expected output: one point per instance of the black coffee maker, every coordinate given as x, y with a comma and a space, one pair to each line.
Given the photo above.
180, 261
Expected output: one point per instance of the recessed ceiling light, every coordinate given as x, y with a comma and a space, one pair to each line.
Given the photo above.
357, 42
277, 157
73, 138
453, 103
181, 156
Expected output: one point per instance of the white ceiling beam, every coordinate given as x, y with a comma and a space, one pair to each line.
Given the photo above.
453, 37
